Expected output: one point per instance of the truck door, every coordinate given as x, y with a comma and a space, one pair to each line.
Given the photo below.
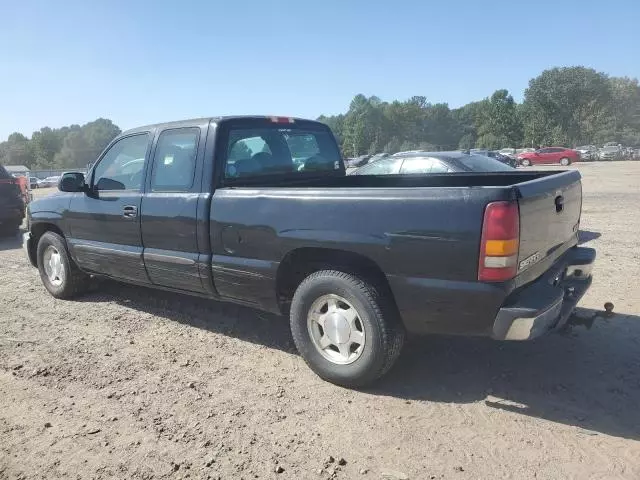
170, 210
104, 224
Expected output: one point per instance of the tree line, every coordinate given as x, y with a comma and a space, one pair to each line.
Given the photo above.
59, 148
568, 106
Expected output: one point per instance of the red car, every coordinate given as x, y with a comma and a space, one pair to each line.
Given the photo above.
561, 155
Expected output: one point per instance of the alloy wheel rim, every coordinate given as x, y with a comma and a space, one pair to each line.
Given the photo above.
336, 330
53, 266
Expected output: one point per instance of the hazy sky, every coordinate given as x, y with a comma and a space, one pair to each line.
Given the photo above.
139, 62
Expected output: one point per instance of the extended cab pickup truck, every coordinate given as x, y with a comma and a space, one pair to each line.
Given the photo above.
259, 211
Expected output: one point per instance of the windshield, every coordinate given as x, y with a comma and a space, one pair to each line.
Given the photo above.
480, 163
278, 150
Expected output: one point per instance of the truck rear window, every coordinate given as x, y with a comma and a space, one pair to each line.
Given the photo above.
278, 150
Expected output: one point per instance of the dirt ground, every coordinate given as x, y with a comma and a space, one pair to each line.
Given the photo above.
128, 382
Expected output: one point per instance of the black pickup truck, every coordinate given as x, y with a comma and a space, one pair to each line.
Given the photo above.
259, 211
12, 205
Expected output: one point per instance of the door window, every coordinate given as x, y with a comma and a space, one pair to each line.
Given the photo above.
174, 162
122, 167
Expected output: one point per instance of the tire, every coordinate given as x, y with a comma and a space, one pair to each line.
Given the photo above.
526, 162
69, 280
565, 162
377, 320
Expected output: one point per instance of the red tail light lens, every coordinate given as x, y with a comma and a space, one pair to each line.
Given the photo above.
282, 120
500, 242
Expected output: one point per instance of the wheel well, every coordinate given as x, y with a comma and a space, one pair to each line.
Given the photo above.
37, 231
299, 264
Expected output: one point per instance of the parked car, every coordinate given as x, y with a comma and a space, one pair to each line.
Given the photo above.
549, 155
12, 203
408, 153
357, 161
610, 152
507, 160
49, 182
431, 163
588, 152
508, 152
524, 150
378, 156
33, 182
356, 262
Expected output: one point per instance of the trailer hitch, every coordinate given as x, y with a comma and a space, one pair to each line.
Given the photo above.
579, 318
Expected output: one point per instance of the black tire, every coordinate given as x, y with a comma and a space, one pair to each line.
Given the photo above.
565, 162
383, 329
525, 162
74, 281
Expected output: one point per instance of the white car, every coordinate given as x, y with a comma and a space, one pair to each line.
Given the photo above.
49, 182
508, 152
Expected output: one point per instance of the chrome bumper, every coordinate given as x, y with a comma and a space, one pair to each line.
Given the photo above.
547, 303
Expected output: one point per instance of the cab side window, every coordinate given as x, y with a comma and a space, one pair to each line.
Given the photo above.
122, 167
174, 161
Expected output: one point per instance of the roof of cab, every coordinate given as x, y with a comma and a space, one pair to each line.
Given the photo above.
204, 120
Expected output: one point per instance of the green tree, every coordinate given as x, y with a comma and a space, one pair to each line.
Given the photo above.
498, 124
568, 105
336, 124
17, 150
45, 143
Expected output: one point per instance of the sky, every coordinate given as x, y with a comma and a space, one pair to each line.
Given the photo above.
138, 62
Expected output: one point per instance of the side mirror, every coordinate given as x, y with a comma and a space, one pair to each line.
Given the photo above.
72, 182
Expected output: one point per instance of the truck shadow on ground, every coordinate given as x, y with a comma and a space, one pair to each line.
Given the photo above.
587, 379
585, 236
228, 319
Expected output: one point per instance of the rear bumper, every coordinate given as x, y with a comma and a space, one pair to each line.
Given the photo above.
546, 304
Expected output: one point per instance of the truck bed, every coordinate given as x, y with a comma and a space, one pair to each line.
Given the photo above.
423, 232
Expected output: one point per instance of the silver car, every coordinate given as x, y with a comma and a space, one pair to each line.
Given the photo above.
609, 153
588, 152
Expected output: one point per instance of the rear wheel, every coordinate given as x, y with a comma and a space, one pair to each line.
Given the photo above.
345, 328
59, 273
526, 162
565, 161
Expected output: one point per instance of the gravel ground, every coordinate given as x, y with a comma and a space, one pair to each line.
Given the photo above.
128, 382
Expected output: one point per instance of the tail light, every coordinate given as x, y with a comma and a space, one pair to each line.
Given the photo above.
500, 242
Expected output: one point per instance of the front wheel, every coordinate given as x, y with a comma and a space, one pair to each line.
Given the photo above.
345, 328
526, 162
565, 161
59, 273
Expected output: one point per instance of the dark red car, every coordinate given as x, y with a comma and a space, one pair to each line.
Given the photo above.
561, 155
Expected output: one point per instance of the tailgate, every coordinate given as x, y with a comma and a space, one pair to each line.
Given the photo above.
9, 191
549, 220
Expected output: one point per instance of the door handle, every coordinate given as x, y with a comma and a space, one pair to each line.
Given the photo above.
130, 211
